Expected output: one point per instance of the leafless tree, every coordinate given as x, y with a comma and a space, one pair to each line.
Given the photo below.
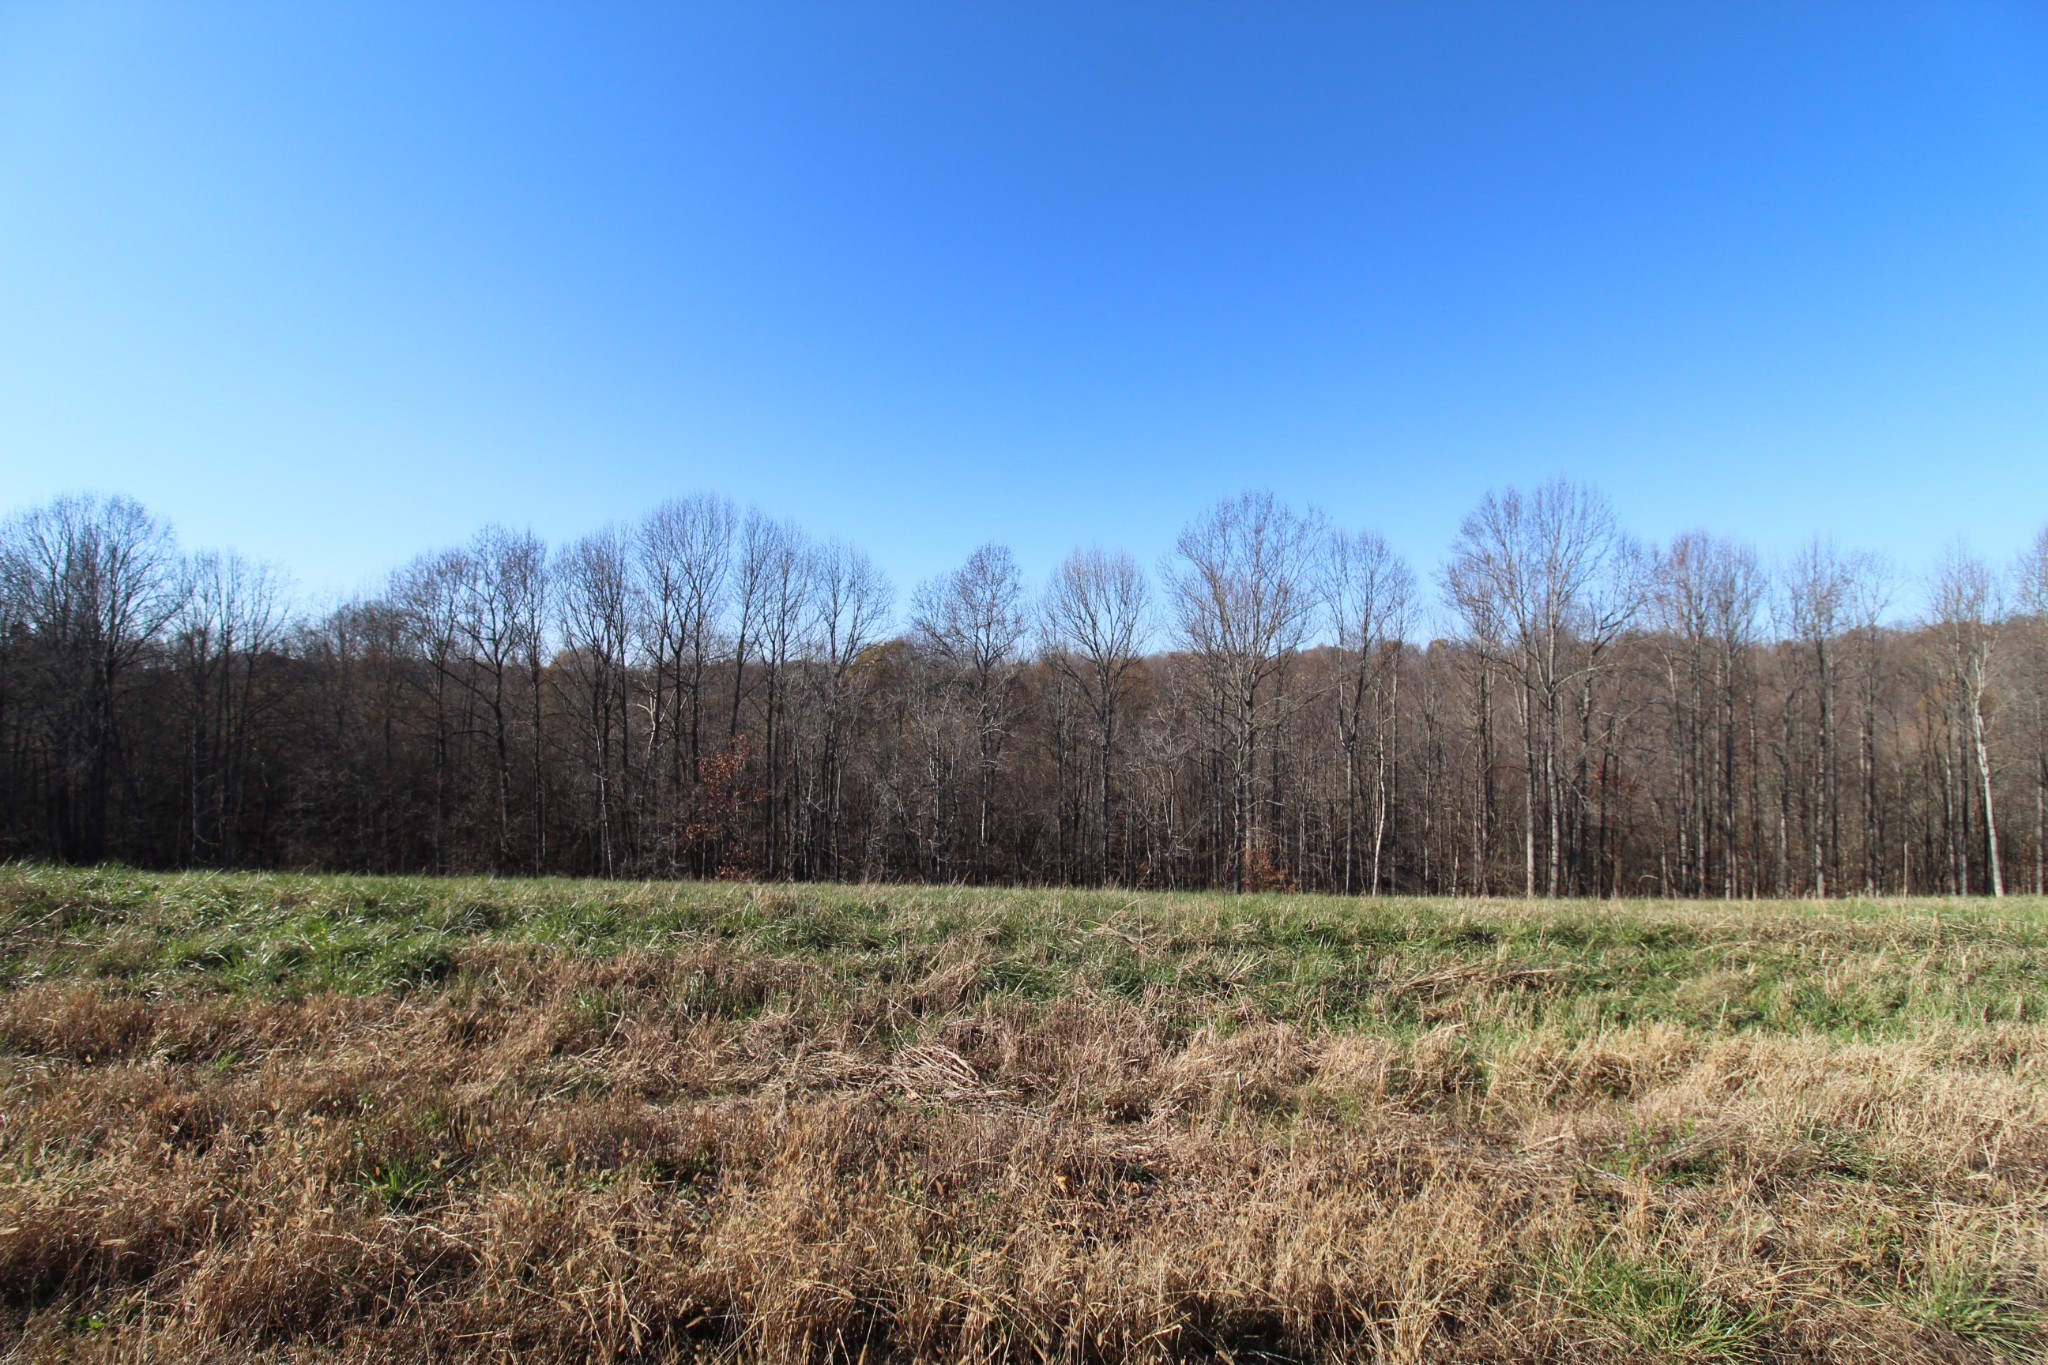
597, 602
92, 581
1367, 594
227, 632
849, 599
776, 575
499, 616
685, 552
527, 584
973, 623
1705, 605
1094, 621
1243, 600
428, 594
1871, 590
1964, 612
1554, 573
973, 620
1817, 609
2030, 579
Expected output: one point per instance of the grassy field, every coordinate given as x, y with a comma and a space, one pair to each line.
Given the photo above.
349, 1118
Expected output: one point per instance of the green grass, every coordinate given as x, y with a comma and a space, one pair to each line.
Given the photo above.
1662, 1310
1851, 969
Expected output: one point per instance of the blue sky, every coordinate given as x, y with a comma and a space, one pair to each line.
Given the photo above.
336, 283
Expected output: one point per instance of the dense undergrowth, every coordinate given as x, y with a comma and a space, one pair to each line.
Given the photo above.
399, 1118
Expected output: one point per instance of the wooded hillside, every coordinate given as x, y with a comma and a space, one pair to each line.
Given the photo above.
711, 693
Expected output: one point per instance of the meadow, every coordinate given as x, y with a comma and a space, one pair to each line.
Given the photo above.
342, 1118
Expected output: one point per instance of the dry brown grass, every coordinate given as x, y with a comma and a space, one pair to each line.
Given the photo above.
716, 1151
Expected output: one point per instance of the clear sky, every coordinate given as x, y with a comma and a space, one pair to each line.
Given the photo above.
335, 283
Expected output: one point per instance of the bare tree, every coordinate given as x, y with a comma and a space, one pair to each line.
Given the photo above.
1367, 592
598, 603
2031, 581
849, 599
231, 623
684, 550
428, 594
1872, 585
973, 620
93, 582
526, 581
1705, 604
1094, 619
1965, 611
1556, 574
776, 574
498, 614
1818, 607
1243, 600
750, 590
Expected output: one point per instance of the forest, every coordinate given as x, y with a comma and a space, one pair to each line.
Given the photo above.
712, 693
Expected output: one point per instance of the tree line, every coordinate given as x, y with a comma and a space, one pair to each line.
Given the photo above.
711, 692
